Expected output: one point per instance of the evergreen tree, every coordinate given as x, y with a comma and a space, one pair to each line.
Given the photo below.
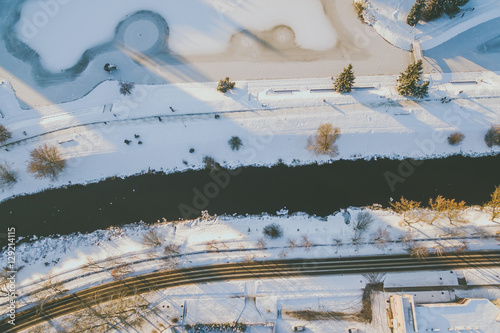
432, 10
409, 82
345, 81
415, 13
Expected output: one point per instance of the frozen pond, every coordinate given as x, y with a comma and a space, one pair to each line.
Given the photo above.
61, 33
60, 55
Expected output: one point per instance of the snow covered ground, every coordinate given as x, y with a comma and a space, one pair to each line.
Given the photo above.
268, 116
388, 17
66, 259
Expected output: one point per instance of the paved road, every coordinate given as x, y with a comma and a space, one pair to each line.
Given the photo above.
248, 270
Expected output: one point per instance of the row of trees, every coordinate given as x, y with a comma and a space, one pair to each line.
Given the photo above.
442, 208
428, 10
409, 82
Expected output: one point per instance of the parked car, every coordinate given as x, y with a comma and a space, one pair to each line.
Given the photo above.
298, 328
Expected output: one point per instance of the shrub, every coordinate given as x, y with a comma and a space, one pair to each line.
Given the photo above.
324, 141
345, 81
273, 231
8, 177
210, 164
359, 7
4, 134
409, 82
418, 251
455, 138
363, 221
225, 85
492, 137
46, 162
235, 143
151, 238
171, 249
126, 88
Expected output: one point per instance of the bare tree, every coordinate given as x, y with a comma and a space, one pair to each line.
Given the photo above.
8, 177
438, 250
4, 134
100, 317
261, 244
381, 238
306, 243
151, 238
363, 221
292, 243
407, 238
418, 251
46, 162
494, 203
120, 271
50, 290
409, 209
448, 208
323, 143
212, 245
357, 240
338, 243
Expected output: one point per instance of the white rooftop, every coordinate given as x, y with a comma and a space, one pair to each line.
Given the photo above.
473, 315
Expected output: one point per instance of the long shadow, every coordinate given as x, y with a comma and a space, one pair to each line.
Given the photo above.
474, 50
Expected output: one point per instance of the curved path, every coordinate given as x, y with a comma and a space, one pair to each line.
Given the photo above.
246, 270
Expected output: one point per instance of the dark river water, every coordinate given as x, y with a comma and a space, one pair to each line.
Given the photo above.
314, 189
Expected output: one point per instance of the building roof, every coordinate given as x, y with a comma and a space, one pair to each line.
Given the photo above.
467, 315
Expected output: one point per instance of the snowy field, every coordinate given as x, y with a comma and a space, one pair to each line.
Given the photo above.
80, 261
195, 26
374, 122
